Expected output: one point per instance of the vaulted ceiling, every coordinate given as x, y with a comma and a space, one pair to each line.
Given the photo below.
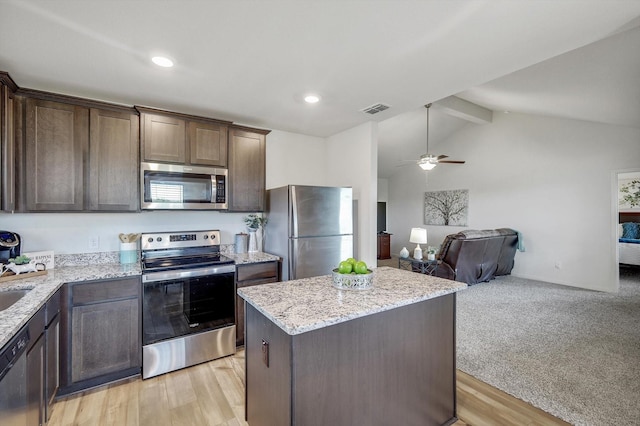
253, 61
598, 82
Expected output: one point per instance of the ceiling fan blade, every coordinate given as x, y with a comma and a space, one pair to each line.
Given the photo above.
406, 163
452, 162
440, 157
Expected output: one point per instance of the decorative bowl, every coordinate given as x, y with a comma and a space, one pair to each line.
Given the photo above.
19, 269
352, 281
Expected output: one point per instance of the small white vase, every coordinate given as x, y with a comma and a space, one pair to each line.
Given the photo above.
260, 238
404, 252
253, 241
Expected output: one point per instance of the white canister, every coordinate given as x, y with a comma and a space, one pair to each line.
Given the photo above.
128, 253
242, 240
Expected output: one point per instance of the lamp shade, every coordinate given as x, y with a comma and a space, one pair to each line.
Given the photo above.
418, 236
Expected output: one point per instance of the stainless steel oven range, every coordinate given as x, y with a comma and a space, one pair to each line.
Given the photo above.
188, 313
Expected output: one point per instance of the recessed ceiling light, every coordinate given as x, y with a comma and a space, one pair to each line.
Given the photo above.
312, 99
162, 61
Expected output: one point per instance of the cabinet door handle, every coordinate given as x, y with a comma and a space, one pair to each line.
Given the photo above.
265, 352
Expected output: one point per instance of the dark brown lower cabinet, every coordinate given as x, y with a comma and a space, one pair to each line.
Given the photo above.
51, 352
248, 275
42, 362
36, 370
100, 333
390, 368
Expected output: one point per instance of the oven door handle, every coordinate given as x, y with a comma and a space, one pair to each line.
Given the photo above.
187, 273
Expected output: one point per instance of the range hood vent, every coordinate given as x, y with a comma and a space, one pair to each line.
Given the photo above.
376, 108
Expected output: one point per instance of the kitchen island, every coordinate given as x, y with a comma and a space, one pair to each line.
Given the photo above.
317, 355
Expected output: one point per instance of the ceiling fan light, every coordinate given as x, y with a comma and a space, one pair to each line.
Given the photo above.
162, 61
312, 99
426, 165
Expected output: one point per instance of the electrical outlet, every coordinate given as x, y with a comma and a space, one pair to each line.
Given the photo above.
94, 242
558, 264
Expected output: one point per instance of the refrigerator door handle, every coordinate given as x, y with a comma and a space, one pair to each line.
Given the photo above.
294, 213
292, 263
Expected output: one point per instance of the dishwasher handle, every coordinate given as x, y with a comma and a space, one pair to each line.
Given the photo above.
12, 351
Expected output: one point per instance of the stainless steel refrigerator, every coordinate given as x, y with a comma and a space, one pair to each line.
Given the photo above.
310, 227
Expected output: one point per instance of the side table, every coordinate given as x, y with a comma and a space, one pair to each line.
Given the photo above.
423, 266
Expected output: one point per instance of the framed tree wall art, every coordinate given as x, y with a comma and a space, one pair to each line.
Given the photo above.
449, 208
629, 195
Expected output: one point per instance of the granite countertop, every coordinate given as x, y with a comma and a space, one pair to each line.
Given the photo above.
308, 304
258, 257
42, 287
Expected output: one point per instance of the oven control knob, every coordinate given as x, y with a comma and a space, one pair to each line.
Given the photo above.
206, 237
150, 240
213, 236
159, 239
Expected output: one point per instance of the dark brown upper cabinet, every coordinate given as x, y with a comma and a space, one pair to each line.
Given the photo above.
113, 160
247, 152
163, 138
57, 136
7, 142
207, 143
182, 139
78, 156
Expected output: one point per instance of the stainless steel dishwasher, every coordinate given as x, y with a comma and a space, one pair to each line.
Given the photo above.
13, 380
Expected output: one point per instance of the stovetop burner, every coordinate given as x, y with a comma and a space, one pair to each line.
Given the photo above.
183, 262
181, 250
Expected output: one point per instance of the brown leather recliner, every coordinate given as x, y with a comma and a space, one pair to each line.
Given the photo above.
477, 256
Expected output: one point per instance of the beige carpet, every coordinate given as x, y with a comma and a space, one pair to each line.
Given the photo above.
393, 262
573, 353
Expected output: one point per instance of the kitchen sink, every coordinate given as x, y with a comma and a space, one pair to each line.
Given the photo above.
9, 297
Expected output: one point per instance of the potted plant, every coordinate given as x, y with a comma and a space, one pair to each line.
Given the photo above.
431, 253
255, 223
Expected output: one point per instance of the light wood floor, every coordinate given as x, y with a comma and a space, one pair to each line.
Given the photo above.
212, 394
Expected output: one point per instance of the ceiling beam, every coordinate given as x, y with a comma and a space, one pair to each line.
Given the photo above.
466, 110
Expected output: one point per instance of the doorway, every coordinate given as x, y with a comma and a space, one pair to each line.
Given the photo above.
627, 208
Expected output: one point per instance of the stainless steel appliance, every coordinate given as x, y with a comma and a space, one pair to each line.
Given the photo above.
174, 186
188, 301
310, 227
13, 381
9, 245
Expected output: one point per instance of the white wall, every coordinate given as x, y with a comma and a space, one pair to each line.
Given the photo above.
383, 190
67, 233
548, 178
352, 158
295, 159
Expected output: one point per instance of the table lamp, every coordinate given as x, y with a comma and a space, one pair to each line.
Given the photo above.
418, 236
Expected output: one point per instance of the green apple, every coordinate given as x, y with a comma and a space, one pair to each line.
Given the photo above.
345, 267
360, 267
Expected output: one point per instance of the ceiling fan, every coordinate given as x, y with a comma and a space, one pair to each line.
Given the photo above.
428, 161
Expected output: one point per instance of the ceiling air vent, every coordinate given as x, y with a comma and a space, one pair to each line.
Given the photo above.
374, 109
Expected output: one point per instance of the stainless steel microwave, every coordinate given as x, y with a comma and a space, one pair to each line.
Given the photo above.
175, 186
